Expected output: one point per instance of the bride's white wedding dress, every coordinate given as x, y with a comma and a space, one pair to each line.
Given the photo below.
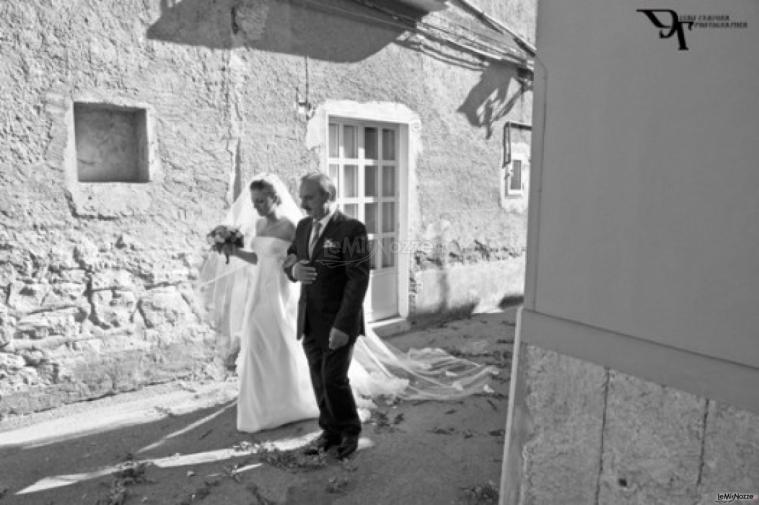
275, 387
256, 305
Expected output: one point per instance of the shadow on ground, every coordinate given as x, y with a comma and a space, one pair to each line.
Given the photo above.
420, 452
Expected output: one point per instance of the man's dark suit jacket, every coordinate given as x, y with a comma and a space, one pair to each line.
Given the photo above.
335, 298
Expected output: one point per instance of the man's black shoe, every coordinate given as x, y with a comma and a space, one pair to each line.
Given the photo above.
323, 443
348, 446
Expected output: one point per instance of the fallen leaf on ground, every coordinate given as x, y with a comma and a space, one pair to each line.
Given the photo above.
442, 431
348, 465
482, 494
260, 499
293, 460
337, 484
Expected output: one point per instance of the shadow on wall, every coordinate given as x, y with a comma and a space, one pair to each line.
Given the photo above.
333, 30
499, 89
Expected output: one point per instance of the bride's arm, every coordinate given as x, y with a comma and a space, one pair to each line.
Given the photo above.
244, 255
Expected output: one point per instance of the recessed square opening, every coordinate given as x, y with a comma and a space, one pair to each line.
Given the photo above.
111, 143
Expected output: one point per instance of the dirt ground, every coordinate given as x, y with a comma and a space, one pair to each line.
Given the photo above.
176, 444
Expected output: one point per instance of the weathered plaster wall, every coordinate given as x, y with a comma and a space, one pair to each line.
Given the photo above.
592, 435
96, 278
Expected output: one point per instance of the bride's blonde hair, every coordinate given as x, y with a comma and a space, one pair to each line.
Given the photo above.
263, 184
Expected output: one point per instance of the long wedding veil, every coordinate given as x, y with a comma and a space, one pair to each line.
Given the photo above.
225, 288
378, 368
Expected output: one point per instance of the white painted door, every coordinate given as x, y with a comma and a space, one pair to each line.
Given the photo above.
363, 160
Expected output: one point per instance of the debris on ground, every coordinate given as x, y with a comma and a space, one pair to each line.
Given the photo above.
382, 422
293, 461
348, 465
443, 431
337, 484
258, 498
243, 446
131, 472
200, 492
117, 495
483, 494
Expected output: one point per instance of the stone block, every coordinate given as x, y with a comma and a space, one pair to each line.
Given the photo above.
11, 362
27, 296
565, 402
66, 293
86, 254
731, 452
62, 257
165, 306
64, 322
74, 275
652, 443
113, 308
112, 279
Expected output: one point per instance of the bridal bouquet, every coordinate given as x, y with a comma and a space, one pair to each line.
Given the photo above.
223, 236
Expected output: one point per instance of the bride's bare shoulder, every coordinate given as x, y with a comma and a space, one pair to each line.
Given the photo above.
284, 229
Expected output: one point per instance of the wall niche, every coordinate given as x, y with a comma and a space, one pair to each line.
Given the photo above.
111, 143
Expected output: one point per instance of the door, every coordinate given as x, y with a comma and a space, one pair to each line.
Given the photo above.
363, 161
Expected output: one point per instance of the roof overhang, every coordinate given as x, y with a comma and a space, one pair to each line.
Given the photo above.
425, 5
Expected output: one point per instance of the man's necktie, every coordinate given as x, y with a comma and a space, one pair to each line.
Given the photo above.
314, 238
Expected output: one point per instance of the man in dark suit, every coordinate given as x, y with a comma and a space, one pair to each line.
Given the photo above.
329, 256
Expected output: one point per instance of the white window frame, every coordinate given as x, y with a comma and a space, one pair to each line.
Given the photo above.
507, 191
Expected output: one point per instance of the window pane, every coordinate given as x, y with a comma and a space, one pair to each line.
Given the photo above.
516, 175
350, 181
373, 250
333, 141
370, 217
388, 217
349, 141
388, 181
351, 209
388, 252
333, 172
370, 143
370, 181
388, 144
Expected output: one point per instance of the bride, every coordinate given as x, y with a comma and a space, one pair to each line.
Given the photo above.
251, 304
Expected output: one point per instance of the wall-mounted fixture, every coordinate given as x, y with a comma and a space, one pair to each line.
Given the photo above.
506, 147
303, 107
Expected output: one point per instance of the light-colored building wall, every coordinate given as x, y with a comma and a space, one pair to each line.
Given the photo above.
96, 278
637, 357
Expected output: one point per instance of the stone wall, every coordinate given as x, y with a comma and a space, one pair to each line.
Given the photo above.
96, 278
590, 435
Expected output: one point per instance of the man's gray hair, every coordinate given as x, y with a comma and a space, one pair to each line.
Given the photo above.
325, 183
